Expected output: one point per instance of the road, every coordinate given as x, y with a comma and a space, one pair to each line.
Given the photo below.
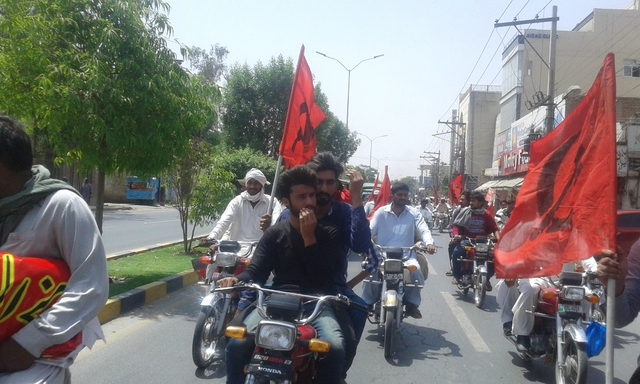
452, 343
142, 227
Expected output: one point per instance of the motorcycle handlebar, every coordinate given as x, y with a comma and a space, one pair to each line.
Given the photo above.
320, 300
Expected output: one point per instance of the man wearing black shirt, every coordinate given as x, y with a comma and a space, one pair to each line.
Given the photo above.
299, 252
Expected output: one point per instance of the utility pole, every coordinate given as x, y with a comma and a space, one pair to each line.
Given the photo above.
455, 126
552, 59
436, 172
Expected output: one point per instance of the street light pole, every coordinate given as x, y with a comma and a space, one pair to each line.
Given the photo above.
371, 144
349, 77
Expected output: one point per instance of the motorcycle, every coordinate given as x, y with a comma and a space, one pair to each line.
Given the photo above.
217, 309
286, 348
558, 334
442, 221
478, 253
393, 275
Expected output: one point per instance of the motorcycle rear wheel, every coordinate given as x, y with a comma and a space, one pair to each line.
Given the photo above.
481, 290
575, 363
205, 339
389, 330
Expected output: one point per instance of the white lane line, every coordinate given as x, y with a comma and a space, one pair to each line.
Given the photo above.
476, 340
432, 271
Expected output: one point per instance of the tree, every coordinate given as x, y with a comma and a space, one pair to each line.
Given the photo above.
202, 189
97, 83
239, 161
255, 107
369, 174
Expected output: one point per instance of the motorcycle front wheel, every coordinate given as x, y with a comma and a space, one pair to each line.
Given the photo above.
575, 363
481, 289
389, 330
205, 339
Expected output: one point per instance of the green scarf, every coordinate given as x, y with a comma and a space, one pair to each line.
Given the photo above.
14, 208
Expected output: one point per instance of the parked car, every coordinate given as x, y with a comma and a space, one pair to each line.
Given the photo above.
628, 228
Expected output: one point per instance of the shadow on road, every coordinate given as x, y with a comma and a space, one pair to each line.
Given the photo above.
414, 342
216, 370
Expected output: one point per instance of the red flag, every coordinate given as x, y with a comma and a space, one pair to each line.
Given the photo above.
298, 143
385, 193
372, 195
435, 194
571, 177
455, 189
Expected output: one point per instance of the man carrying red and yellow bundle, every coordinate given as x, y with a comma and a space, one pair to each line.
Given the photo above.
53, 272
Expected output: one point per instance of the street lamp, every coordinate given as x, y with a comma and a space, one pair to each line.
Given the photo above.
378, 162
349, 77
370, 144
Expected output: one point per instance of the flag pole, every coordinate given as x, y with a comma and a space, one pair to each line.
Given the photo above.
275, 185
611, 314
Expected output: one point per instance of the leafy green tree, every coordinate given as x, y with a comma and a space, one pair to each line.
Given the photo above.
202, 189
239, 161
255, 108
368, 173
96, 82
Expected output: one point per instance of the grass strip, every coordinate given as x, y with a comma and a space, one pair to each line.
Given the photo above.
133, 271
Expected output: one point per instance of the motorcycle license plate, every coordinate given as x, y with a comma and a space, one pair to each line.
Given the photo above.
569, 308
393, 276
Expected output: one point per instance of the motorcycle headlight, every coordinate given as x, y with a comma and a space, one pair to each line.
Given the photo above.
276, 335
225, 259
572, 293
482, 248
393, 266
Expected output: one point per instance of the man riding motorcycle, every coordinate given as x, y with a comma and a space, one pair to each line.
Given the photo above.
395, 225
472, 222
523, 322
300, 252
246, 216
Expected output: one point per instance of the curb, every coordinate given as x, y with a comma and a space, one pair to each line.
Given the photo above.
138, 297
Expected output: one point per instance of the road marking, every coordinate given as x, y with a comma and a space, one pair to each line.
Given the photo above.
432, 271
474, 336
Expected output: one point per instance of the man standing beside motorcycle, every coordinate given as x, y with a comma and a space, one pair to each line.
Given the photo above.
395, 225
300, 252
472, 222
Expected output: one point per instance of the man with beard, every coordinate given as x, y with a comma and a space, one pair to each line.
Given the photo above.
353, 226
471, 222
301, 252
395, 225
246, 216
465, 197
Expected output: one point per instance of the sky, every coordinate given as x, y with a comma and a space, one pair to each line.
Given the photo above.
433, 51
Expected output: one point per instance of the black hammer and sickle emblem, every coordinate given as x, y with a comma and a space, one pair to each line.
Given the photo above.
305, 131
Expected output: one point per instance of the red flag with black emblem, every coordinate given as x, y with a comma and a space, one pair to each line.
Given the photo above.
385, 193
455, 189
298, 143
571, 177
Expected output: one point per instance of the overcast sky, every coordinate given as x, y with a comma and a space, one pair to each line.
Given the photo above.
430, 50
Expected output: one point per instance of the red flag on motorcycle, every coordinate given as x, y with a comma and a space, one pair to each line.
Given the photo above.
455, 189
385, 193
298, 143
571, 175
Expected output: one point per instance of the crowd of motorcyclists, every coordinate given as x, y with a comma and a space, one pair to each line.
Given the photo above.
306, 241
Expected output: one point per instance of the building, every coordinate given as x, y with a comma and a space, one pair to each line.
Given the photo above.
478, 108
579, 56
